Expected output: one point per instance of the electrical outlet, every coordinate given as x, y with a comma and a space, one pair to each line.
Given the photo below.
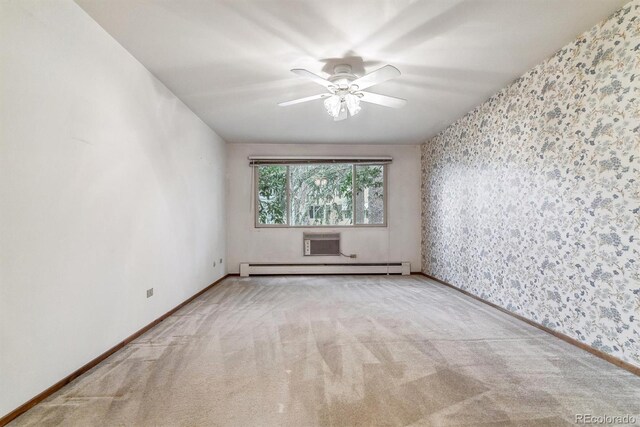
220, 260
149, 292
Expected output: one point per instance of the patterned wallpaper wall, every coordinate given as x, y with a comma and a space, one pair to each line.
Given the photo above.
532, 200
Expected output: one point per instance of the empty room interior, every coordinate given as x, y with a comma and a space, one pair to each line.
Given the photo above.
319, 213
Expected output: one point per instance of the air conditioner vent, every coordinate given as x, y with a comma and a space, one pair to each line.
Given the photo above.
321, 244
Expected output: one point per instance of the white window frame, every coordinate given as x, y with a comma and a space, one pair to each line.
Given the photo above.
256, 204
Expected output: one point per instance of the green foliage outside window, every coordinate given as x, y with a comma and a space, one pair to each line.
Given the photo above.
272, 195
327, 187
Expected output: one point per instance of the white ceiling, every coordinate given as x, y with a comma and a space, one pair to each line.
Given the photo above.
229, 60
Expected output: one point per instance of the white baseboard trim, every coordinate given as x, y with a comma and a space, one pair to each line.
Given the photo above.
250, 269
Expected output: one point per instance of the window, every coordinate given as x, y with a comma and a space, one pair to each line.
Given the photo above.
320, 194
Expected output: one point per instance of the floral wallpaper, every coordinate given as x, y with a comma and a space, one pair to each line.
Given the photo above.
532, 200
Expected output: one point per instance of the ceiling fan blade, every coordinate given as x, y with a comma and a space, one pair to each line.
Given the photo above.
308, 98
313, 77
384, 100
378, 76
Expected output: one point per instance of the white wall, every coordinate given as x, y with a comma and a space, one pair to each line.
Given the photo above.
109, 185
400, 241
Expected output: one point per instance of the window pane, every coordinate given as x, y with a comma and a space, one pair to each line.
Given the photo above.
272, 194
321, 194
369, 194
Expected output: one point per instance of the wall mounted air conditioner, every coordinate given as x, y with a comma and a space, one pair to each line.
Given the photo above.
321, 244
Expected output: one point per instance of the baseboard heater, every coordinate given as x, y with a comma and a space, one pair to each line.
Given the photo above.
250, 269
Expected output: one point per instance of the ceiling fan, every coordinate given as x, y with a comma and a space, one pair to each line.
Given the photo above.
346, 90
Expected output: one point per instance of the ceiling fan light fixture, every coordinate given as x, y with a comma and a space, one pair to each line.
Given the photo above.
333, 104
353, 103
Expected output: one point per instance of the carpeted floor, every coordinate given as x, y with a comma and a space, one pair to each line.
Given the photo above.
341, 350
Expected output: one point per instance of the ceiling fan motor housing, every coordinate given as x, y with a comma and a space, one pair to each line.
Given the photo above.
342, 76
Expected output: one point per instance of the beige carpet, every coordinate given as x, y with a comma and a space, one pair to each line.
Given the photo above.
341, 350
